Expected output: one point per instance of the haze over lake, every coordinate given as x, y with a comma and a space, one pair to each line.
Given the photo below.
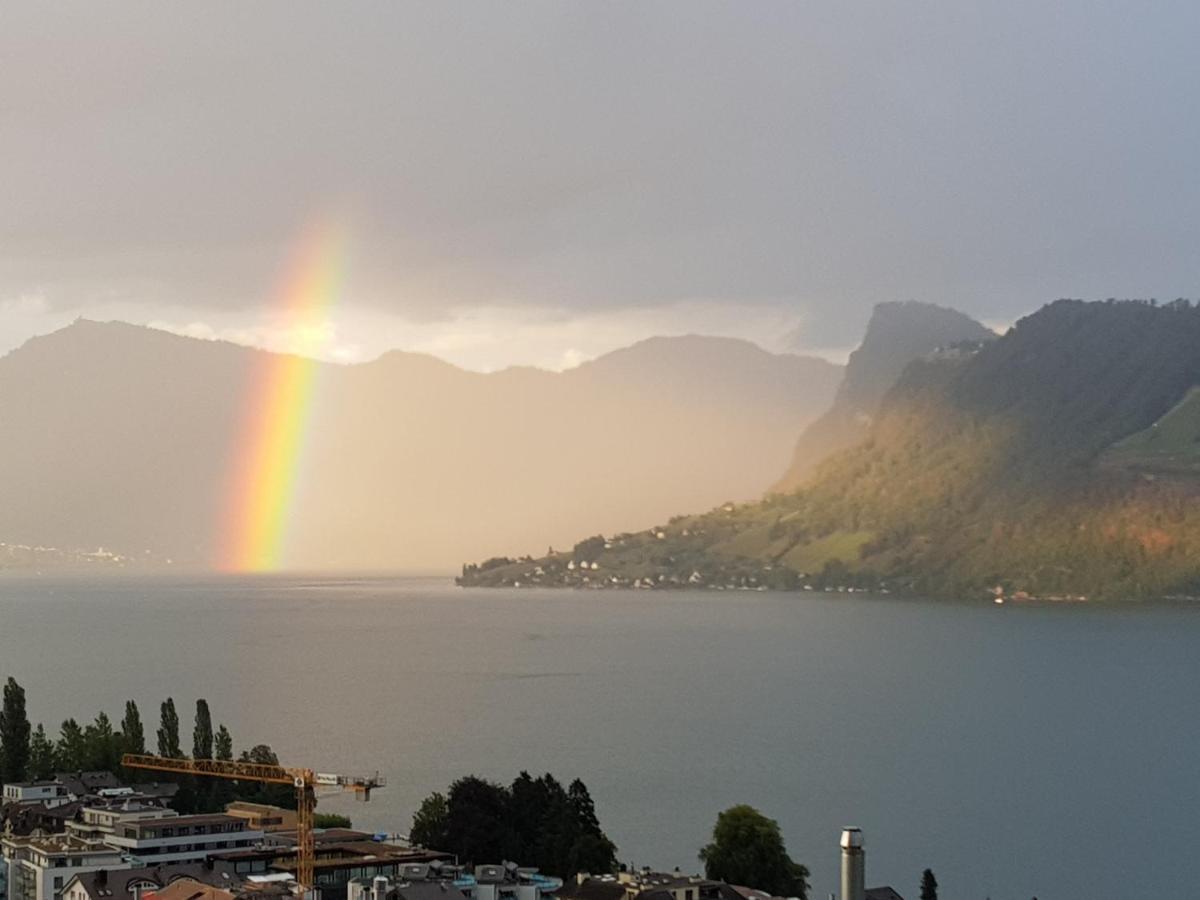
1016, 750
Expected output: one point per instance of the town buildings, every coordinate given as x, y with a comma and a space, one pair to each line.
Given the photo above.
39, 866
87, 837
440, 881
262, 817
170, 838
138, 883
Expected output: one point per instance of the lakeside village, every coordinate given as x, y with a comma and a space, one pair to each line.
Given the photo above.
93, 816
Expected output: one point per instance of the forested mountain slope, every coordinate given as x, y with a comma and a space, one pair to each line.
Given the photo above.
983, 469
896, 334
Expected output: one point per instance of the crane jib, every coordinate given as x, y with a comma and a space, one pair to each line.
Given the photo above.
304, 780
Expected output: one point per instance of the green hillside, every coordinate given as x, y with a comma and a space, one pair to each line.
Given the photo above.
1170, 446
982, 470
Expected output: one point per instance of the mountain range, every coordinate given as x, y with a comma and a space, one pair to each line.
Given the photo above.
1058, 460
125, 437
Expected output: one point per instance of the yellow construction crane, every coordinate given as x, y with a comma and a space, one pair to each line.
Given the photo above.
305, 781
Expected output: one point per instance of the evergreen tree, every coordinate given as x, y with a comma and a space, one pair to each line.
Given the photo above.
585, 809
133, 737
202, 748
928, 885
14, 734
202, 732
223, 744
42, 760
101, 747
222, 788
168, 745
748, 849
593, 851
168, 731
71, 751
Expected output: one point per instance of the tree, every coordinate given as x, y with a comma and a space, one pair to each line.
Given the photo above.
133, 737
101, 748
222, 789
747, 848
431, 823
168, 731
42, 760
223, 744
928, 885
14, 734
593, 851
534, 821
202, 748
271, 794
71, 751
331, 820
478, 827
202, 732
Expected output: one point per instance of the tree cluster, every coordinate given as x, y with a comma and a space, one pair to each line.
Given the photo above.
533, 821
29, 754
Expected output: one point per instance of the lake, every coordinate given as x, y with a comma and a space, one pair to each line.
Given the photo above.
1017, 750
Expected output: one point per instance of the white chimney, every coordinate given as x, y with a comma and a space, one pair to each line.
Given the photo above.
853, 865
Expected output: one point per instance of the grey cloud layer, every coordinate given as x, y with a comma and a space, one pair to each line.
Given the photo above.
823, 155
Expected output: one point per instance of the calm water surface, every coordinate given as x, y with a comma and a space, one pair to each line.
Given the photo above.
1016, 750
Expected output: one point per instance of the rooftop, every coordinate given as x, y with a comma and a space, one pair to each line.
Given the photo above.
187, 889
187, 821
59, 843
247, 806
118, 882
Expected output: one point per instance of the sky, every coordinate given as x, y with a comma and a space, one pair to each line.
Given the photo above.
539, 182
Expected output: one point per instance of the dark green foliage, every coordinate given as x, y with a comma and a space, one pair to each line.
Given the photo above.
589, 548
42, 758
477, 822
202, 732
168, 731
101, 746
133, 737
929, 885
533, 822
222, 789
431, 823
202, 748
331, 820
223, 744
271, 794
14, 734
747, 849
591, 850
71, 750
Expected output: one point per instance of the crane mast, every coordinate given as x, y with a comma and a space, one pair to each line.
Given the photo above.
305, 782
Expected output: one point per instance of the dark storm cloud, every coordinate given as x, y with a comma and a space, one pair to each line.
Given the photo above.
823, 156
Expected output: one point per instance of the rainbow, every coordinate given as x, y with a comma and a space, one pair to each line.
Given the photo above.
269, 444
